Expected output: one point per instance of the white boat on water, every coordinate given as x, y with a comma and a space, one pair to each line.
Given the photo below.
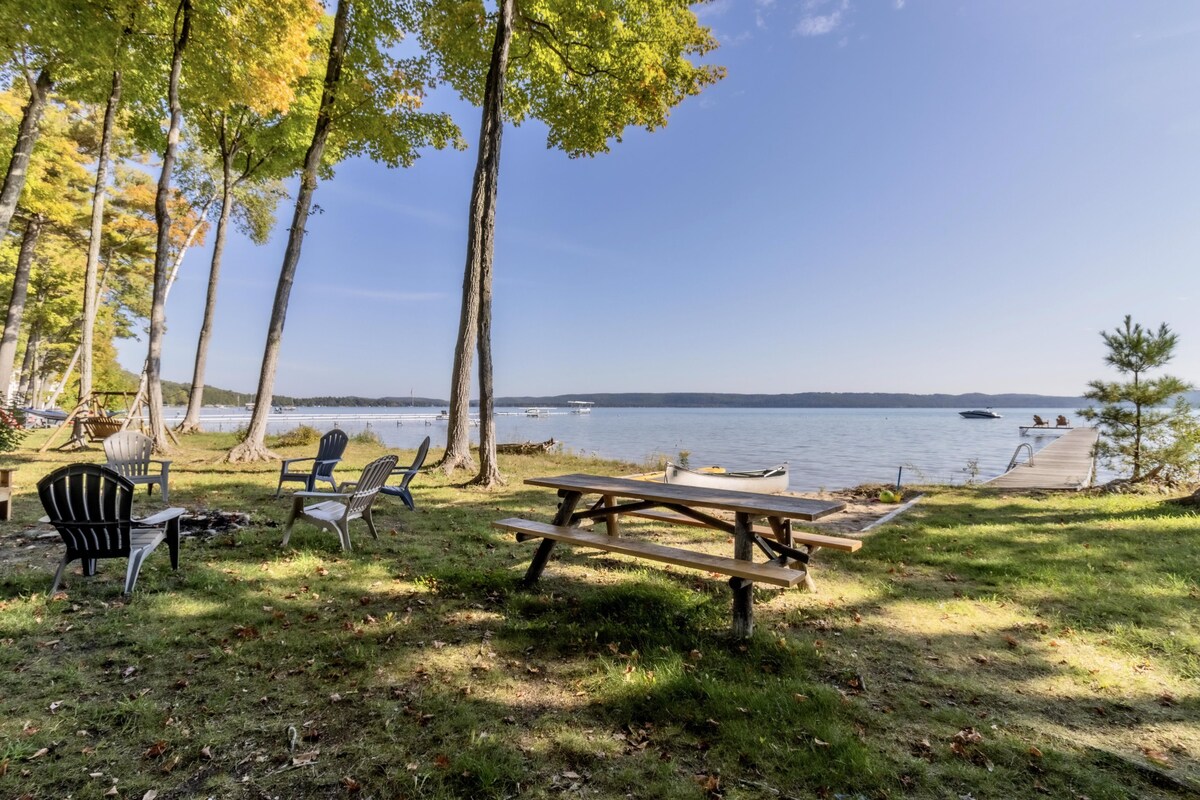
580, 406
979, 413
537, 412
763, 481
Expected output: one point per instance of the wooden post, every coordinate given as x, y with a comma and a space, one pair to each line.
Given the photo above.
743, 590
566, 508
612, 521
6, 494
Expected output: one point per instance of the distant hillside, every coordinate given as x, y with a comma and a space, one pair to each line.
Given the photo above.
176, 394
801, 400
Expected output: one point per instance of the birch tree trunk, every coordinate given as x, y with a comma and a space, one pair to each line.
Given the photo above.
27, 133
254, 447
162, 218
88, 331
16, 301
482, 236
191, 420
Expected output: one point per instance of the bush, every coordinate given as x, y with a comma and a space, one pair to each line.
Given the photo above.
12, 429
297, 437
367, 436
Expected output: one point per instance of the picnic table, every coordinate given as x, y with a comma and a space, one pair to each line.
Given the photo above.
787, 550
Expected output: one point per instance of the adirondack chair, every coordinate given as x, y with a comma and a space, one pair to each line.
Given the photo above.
329, 453
128, 454
406, 475
351, 501
1038, 422
91, 507
1062, 421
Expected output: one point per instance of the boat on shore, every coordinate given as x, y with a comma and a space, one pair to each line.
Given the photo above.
979, 413
762, 481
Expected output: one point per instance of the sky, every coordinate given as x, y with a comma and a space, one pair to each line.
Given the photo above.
892, 196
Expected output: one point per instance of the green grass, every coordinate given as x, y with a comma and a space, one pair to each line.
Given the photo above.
982, 645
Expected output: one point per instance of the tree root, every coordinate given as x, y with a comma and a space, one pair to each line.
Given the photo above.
248, 452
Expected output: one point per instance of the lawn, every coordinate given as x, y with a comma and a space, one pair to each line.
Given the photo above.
980, 646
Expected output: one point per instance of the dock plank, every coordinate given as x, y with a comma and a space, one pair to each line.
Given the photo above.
1066, 463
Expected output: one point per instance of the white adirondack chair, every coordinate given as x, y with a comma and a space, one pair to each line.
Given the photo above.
128, 454
351, 501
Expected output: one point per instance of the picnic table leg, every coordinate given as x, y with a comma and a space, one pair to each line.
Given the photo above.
566, 508
743, 590
612, 521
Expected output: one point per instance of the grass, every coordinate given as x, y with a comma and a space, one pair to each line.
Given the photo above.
982, 645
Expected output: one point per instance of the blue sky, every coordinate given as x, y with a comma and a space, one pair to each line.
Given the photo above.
881, 196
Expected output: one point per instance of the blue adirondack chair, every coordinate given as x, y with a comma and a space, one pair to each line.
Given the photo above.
329, 453
406, 475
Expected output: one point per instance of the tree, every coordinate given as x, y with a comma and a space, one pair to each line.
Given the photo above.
588, 71
1139, 430
370, 105
266, 52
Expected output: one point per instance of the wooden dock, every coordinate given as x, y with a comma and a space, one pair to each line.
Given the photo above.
1066, 463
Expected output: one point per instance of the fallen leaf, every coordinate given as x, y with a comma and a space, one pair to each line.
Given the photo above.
206, 753
571, 776
1157, 756
441, 761
39, 754
1033, 751
55, 706
305, 759
351, 784
112, 792
820, 743
150, 794
155, 750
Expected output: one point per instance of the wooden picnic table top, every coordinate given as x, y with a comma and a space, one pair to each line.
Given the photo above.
768, 505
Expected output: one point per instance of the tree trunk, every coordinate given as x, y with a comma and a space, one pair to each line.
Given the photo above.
480, 239
162, 218
482, 236
93, 257
16, 302
191, 420
254, 447
27, 133
31, 348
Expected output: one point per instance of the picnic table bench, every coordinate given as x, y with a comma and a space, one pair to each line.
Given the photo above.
788, 551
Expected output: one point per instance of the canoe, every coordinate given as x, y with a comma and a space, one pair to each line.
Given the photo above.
763, 481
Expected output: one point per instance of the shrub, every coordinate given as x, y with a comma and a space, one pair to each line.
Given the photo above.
367, 436
12, 429
297, 437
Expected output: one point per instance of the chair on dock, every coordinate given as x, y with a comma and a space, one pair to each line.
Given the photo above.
1038, 422
329, 453
128, 454
406, 475
91, 507
1062, 422
351, 501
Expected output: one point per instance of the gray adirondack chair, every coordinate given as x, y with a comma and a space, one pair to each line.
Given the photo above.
329, 453
406, 475
128, 454
351, 501
91, 507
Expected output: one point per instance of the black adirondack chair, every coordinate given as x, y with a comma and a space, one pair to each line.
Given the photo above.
329, 453
406, 475
91, 507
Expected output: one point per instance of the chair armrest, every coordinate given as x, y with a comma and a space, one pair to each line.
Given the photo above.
326, 495
344, 485
166, 515
164, 464
326, 460
287, 461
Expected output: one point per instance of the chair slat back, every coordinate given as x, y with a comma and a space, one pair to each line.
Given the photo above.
332, 446
373, 476
422, 451
91, 507
128, 453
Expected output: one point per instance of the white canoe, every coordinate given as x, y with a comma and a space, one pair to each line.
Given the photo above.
763, 481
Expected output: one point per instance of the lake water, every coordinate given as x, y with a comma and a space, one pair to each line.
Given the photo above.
829, 448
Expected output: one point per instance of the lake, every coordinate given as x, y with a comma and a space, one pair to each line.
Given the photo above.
829, 448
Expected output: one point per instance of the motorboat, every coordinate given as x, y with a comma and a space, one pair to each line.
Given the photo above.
762, 481
979, 413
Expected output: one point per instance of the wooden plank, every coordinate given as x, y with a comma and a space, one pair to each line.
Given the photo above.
747, 570
798, 536
1066, 463
723, 499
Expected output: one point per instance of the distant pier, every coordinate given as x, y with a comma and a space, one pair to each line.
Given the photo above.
1067, 463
